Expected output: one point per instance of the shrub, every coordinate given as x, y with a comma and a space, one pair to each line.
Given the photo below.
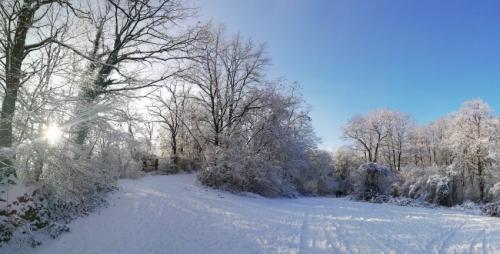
176, 165
372, 178
494, 192
25, 215
248, 175
438, 190
436, 185
492, 209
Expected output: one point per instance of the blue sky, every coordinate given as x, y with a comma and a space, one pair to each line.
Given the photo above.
420, 57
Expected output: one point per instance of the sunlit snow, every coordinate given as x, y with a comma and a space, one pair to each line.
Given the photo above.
173, 214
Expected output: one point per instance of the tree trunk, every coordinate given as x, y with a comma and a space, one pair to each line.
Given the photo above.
14, 60
174, 148
7, 114
88, 93
375, 154
481, 179
399, 161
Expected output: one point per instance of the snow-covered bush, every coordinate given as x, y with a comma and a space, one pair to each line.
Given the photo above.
130, 169
74, 184
433, 184
319, 176
492, 209
308, 175
413, 182
166, 166
179, 164
438, 190
245, 176
371, 179
270, 151
494, 193
25, 214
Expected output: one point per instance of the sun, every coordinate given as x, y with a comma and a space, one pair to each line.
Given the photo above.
53, 134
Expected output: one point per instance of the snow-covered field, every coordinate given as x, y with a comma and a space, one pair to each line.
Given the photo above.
173, 214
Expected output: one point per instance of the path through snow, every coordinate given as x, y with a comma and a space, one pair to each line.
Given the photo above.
173, 214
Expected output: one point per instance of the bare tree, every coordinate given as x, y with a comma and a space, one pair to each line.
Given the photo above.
398, 128
26, 27
368, 132
472, 138
130, 38
429, 145
149, 130
224, 74
170, 109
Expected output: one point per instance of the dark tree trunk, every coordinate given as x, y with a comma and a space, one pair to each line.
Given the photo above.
481, 179
7, 114
399, 161
89, 92
15, 54
175, 158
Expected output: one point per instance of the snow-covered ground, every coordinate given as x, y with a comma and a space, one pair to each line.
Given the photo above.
173, 214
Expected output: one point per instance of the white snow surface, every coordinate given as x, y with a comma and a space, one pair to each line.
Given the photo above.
174, 214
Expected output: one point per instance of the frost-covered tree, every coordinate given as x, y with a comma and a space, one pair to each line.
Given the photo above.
171, 110
268, 152
472, 140
224, 73
439, 133
380, 131
359, 129
398, 128
26, 28
128, 40
346, 159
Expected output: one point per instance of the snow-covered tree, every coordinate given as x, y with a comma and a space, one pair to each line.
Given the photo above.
225, 73
472, 141
27, 28
380, 132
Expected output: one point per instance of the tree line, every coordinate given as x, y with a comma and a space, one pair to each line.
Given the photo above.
461, 146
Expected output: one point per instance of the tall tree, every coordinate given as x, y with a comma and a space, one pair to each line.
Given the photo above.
170, 109
472, 139
22, 21
225, 72
369, 132
130, 38
398, 128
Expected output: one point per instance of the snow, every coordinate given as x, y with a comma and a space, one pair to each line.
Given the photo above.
10, 193
173, 214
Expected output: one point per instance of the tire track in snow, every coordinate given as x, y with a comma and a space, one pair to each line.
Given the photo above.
486, 238
445, 243
342, 241
480, 239
304, 234
334, 240
475, 240
379, 242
